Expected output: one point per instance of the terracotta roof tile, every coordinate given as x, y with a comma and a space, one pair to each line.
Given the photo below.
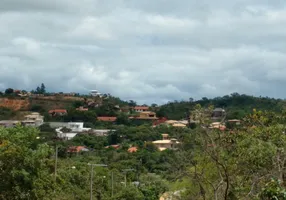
107, 119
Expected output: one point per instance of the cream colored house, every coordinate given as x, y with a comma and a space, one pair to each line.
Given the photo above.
33, 119
166, 143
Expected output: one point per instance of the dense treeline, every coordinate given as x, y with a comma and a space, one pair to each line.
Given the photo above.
236, 105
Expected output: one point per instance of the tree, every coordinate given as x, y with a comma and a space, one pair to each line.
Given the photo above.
9, 91
123, 119
129, 193
38, 90
43, 88
25, 165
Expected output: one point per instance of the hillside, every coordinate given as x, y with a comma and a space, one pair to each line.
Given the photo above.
236, 105
15, 104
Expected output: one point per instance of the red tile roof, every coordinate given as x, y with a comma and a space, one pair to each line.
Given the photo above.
141, 108
132, 149
107, 119
58, 111
76, 149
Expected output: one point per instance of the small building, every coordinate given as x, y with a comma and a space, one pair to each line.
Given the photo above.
65, 136
107, 119
58, 112
166, 143
94, 93
141, 108
218, 113
36, 117
146, 115
31, 123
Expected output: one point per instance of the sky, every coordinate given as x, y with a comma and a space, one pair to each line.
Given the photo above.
148, 51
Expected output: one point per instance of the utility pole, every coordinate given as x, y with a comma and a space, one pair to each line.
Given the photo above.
125, 177
56, 166
91, 176
112, 188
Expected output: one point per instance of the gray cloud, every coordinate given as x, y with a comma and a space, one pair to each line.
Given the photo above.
148, 51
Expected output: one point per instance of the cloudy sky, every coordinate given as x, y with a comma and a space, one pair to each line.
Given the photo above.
145, 50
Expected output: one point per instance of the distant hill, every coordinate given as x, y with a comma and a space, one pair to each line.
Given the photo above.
236, 105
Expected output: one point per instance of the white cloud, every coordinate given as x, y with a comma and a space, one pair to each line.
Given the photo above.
148, 51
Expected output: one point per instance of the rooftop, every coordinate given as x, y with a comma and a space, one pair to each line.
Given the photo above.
107, 119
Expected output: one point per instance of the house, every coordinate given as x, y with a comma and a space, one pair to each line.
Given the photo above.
58, 112
36, 117
9, 123
141, 108
29, 123
107, 119
146, 115
81, 108
65, 136
77, 127
218, 113
94, 93
77, 149
132, 149
166, 143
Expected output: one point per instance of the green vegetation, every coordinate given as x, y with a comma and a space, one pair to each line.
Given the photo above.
244, 161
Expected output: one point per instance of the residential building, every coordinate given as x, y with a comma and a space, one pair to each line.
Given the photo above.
107, 119
166, 143
34, 119
218, 113
75, 128
141, 108
65, 136
94, 93
58, 112
146, 115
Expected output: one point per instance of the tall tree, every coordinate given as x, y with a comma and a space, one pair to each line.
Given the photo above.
43, 88
9, 91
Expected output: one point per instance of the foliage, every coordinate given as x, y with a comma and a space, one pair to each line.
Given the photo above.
236, 105
25, 165
273, 190
9, 91
6, 113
